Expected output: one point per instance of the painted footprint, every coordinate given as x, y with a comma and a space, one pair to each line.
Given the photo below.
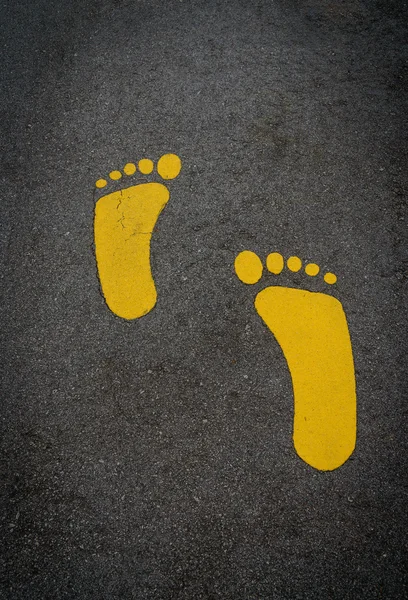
123, 226
312, 330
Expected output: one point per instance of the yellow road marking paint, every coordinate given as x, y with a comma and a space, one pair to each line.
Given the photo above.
330, 278
312, 330
275, 263
115, 175
168, 166
145, 166
129, 169
248, 267
294, 264
124, 223
312, 269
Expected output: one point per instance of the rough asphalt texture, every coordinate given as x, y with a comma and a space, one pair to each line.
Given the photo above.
153, 459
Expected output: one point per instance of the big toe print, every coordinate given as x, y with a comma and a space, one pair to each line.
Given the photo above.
312, 330
123, 226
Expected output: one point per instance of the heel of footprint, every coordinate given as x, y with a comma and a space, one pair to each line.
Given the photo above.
311, 328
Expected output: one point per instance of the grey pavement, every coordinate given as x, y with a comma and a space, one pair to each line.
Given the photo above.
153, 459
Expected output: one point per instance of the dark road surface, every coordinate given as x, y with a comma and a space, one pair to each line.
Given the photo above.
153, 459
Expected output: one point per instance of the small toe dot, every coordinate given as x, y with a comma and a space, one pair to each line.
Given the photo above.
169, 166
129, 169
312, 269
294, 264
275, 263
101, 183
115, 175
145, 166
330, 278
248, 267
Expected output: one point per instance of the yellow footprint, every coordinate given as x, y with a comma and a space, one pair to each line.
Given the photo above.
312, 330
123, 226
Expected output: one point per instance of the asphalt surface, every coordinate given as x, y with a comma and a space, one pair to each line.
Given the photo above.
153, 459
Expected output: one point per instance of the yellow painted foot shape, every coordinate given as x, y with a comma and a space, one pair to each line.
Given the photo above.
123, 226
312, 330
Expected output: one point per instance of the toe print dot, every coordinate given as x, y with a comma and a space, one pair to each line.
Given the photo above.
312, 269
129, 169
275, 263
294, 264
169, 166
248, 267
330, 278
145, 166
115, 175
101, 183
